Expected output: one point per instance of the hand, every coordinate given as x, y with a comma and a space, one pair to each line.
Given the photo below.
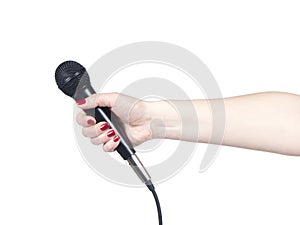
132, 113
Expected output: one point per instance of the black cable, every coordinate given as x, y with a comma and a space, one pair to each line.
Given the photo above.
158, 207
152, 189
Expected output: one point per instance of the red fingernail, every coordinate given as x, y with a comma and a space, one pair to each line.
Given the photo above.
91, 122
111, 133
104, 126
116, 138
81, 102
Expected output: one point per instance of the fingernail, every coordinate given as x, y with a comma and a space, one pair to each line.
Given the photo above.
104, 126
116, 138
111, 133
81, 102
91, 122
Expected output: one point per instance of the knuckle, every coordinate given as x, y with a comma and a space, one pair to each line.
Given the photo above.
84, 132
104, 147
78, 118
97, 99
95, 141
107, 148
110, 150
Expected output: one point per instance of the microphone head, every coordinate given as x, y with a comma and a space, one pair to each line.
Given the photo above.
70, 76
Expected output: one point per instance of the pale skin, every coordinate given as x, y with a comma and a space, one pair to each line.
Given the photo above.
268, 121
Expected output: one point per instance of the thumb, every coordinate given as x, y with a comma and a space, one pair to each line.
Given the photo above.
102, 100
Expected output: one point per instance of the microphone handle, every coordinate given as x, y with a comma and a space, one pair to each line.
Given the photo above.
125, 148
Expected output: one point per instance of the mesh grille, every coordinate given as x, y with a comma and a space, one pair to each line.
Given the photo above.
68, 75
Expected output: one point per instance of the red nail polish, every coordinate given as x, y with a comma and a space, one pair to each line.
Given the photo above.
104, 126
81, 102
111, 133
116, 138
90, 122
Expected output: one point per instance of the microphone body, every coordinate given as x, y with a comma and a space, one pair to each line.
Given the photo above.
73, 80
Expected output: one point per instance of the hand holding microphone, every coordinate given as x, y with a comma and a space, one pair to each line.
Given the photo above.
131, 112
73, 80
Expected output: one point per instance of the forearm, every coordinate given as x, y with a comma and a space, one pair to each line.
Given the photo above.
264, 121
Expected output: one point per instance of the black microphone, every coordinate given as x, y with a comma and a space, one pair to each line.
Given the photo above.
73, 80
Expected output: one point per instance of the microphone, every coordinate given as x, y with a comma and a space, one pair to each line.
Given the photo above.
73, 80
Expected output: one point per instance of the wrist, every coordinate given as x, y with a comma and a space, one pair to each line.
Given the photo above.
164, 120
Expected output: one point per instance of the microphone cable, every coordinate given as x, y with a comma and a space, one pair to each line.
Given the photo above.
152, 189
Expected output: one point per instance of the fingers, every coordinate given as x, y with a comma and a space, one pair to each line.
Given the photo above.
111, 145
99, 133
95, 130
102, 100
109, 139
84, 120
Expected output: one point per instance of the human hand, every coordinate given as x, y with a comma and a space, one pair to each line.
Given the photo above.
131, 112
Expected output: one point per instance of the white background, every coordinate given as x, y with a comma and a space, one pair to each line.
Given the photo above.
250, 46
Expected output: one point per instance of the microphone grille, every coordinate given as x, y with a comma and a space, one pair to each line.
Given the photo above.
68, 75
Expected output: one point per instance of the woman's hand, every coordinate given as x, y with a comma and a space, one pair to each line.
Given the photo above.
132, 113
